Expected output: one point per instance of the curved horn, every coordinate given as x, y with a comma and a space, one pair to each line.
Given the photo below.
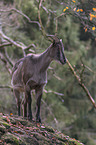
53, 38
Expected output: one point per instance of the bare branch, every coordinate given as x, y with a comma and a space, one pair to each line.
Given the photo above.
6, 87
57, 20
22, 46
19, 12
10, 40
82, 84
89, 69
5, 44
40, 21
57, 77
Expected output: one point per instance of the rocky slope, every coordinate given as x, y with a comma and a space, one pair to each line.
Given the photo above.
15, 130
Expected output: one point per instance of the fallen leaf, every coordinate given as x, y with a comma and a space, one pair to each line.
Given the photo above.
11, 114
42, 126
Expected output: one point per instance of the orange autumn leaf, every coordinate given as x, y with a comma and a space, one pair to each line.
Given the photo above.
94, 9
85, 29
65, 9
92, 16
81, 10
15, 131
73, 1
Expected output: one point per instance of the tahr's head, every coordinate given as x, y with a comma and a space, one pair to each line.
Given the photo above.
57, 52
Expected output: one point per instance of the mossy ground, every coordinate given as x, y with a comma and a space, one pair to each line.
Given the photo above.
15, 130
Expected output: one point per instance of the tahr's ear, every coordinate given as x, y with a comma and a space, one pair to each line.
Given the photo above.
53, 42
53, 38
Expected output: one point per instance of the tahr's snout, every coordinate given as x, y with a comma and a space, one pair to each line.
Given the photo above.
63, 61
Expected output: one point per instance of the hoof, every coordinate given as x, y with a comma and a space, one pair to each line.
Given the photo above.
38, 120
30, 118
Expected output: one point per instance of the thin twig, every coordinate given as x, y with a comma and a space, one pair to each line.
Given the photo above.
50, 111
50, 91
6, 63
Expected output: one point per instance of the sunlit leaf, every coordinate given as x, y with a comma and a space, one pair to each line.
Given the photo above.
94, 9
66, 7
92, 16
81, 10
73, 1
64, 10
78, 10
85, 29
93, 28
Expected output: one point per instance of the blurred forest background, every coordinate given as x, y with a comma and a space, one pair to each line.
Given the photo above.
65, 105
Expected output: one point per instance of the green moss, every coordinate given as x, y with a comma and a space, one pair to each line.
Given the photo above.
2, 128
49, 129
10, 138
25, 132
5, 124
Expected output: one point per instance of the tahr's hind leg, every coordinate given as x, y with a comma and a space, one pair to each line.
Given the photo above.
18, 100
25, 107
38, 103
27, 104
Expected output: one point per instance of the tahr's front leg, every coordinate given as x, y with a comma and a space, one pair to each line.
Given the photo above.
27, 105
38, 103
